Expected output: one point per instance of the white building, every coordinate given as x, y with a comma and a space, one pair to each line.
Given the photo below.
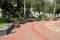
36, 14
0, 12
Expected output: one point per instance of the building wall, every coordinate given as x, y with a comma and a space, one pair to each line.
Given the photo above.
36, 14
0, 13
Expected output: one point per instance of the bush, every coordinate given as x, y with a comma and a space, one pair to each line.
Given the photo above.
58, 17
45, 17
40, 17
29, 19
37, 19
3, 20
33, 17
15, 19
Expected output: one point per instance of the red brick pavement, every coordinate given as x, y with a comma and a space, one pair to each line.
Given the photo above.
34, 31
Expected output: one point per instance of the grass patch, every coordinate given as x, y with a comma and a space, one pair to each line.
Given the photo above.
2, 25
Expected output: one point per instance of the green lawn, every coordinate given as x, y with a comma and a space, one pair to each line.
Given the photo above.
2, 25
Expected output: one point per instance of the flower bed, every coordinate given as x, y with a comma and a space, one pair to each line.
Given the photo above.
55, 19
16, 24
37, 19
22, 21
30, 20
47, 19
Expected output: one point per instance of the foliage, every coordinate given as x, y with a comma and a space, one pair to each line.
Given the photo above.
16, 19
49, 7
40, 17
15, 8
3, 20
10, 7
38, 5
57, 6
2, 25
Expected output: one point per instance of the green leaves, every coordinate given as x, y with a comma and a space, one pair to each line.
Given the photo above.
38, 5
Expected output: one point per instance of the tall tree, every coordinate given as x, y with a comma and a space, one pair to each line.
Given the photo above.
38, 5
10, 8
27, 6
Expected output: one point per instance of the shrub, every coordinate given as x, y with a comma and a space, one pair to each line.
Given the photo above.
58, 17
3, 20
37, 19
47, 19
15, 19
29, 19
33, 17
40, 17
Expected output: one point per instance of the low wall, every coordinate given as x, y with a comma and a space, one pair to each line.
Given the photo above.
6, 30
3, 32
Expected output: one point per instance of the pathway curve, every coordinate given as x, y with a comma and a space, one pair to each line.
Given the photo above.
34, 31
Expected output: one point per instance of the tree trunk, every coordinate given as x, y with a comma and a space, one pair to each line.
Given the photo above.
24, 9
54, 8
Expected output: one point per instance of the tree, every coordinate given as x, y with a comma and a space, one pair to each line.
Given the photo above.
10, 8
56, 7
6, 6
27, 6
38, 5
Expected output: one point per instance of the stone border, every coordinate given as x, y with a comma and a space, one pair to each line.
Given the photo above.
6, 30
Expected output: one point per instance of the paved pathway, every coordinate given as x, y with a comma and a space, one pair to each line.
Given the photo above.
35, 31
